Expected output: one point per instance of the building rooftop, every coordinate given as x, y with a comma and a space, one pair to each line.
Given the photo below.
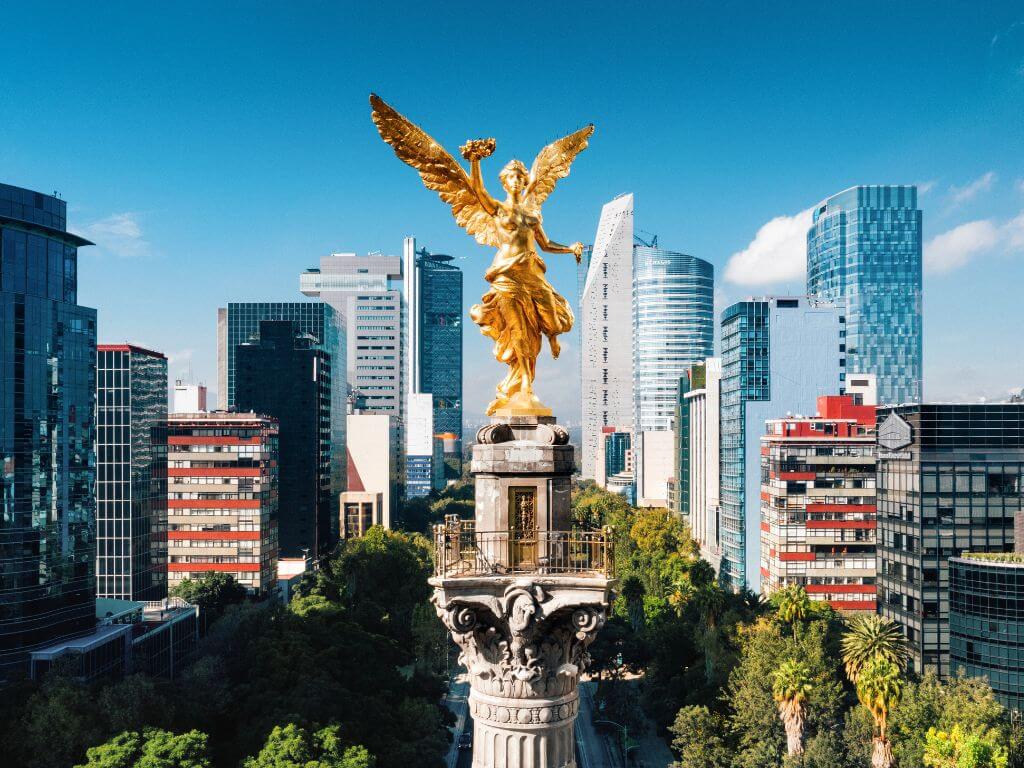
126, 347
994, 558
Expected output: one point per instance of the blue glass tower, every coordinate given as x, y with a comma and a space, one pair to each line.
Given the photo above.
673, 328
778, 355
864, 247
47, 403
439, 283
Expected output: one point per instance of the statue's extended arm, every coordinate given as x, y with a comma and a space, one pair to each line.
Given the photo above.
549, 246
476, 182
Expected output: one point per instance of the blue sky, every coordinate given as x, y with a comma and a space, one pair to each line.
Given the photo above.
213, 151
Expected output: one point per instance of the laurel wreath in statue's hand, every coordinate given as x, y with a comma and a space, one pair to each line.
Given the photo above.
478, 149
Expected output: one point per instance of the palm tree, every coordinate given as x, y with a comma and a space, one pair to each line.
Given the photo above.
633, 593
879, 688
792, 688
681, 594
872, 637
794, 605
711, 602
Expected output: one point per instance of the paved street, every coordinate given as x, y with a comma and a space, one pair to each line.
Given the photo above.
456, 701
465, 758
651, 751
593, 748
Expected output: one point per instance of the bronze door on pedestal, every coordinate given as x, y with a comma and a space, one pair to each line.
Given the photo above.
522, 518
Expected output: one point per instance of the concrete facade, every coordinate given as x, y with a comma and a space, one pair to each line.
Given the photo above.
606, 330
372, 464
704, 437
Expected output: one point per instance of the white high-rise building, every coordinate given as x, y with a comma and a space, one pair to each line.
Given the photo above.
704, 444
367, 292
606, 329
188, 398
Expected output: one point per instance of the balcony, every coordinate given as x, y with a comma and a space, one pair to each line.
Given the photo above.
462, 551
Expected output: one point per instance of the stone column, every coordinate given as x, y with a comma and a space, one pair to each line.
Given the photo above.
522, 594
524, 644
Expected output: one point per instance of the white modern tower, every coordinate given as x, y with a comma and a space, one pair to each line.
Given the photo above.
606, 327
367, 292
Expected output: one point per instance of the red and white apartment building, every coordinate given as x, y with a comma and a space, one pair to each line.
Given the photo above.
818, 504
222, 497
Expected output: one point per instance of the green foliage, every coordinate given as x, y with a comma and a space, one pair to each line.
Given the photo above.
213, 592
750, 693
967, 703
792, 605
291, 746
151, 748
670, 618
346, 652
376, 581
419, 514
957, 748
701, 739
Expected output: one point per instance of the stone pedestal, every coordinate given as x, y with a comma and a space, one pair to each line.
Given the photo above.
523, 595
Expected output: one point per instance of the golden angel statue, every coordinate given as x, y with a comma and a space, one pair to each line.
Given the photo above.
521, 306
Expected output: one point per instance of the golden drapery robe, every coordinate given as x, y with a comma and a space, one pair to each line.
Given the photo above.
520, 306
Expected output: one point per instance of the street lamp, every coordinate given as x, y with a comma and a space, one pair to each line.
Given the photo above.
625, 739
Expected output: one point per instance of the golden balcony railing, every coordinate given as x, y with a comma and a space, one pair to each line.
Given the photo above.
461, 550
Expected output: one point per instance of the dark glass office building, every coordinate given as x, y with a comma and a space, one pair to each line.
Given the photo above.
239, 323
949, 480
681, 460
616, 446
131, 473
436, 335
286, 374
47, 401
986, 622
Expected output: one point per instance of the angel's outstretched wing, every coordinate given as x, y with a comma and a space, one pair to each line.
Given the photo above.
553, 163
440, 171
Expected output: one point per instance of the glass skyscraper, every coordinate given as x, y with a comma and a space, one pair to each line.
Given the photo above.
47, 403
284, 373
434, 301
673, 328
778, 355
131, 473
239, 323
950, 479
986, 622
864, 248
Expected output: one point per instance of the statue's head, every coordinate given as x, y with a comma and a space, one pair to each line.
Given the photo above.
514, 177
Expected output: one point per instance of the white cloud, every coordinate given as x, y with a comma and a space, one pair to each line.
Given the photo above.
776, 254
1013, 234
924, 187
180, 356
955, 248
119, 234
1020, 186
971, 190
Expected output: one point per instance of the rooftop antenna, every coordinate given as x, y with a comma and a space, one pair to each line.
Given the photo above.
651, 241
